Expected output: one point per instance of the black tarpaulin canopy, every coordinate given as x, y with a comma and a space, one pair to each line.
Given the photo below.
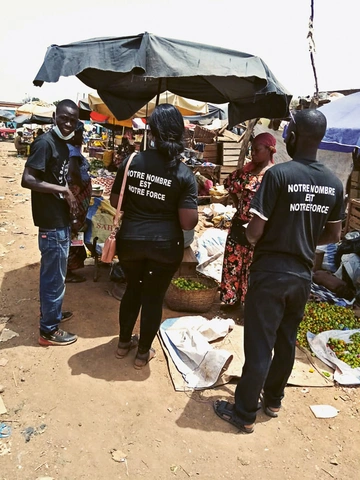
128, 72
29, 118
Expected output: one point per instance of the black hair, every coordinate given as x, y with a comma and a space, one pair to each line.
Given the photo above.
310, 123
167, 127
66, 103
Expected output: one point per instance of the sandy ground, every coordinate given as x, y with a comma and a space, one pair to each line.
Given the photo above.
72, 408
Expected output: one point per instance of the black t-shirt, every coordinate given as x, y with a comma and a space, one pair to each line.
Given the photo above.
153, 195
296, 199
50, 155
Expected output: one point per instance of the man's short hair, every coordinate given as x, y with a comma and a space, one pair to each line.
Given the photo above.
66, 103
310, 123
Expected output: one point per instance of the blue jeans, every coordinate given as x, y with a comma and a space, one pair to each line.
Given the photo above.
54, 246
274, 307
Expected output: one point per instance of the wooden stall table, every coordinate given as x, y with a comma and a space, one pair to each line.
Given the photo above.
353, 216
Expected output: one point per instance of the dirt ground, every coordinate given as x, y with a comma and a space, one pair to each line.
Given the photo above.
72, 408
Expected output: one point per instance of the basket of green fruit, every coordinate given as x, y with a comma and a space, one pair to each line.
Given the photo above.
191, 294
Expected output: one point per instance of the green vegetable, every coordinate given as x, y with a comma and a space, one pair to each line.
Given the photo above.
348, 352
320, 317
188, 284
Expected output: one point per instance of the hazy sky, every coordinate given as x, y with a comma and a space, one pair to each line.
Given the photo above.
275, 30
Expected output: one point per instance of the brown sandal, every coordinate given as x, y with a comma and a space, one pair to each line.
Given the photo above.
143, 359
124, 348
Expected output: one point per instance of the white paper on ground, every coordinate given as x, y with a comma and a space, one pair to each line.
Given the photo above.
7, 334
324, 411
2, 406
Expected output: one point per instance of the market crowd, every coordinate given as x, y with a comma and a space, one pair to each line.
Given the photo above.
268, 255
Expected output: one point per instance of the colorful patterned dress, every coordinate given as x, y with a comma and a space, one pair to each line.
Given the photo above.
238, 258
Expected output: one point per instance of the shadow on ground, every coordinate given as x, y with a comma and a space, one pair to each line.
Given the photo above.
95, 310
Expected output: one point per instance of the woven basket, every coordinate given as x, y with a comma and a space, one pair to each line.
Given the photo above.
204, 135
199, 301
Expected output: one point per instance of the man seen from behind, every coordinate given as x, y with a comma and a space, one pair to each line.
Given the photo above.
298, 206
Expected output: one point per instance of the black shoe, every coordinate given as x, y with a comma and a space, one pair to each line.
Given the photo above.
57, 337
74, 278
65, 316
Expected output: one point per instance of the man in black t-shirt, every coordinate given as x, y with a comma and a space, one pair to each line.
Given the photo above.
52, 203
297, 207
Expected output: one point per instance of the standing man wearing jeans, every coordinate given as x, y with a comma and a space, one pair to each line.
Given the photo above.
298, 206
52, 204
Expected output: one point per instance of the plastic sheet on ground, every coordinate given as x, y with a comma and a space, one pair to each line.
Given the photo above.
185, 342
344, 374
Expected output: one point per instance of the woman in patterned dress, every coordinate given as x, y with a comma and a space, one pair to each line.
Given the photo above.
242, 185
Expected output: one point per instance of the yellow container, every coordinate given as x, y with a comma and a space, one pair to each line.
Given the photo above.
108, 157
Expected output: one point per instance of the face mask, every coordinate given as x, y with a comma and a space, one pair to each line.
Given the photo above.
60, 135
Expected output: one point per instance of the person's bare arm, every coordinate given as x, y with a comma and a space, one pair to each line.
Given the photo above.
255, 229
188, 218
331, 233
114, 198
234, 199
32, 179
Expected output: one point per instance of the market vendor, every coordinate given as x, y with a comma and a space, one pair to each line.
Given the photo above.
20, 144
242, 184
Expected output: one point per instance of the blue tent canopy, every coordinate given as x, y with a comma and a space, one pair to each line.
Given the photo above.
343, 124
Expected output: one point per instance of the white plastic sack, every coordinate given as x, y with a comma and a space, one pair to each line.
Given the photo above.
219, 209
211, 242
329, 256
344, 374
210, 252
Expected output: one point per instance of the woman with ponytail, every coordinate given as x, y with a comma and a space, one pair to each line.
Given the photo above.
242, 185
160, 202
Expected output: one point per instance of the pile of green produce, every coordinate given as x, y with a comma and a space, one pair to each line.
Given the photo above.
95, 165
320, 317
348, 352
188, 284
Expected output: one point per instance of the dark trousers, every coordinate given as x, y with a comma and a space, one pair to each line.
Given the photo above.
274, 307
148, 268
